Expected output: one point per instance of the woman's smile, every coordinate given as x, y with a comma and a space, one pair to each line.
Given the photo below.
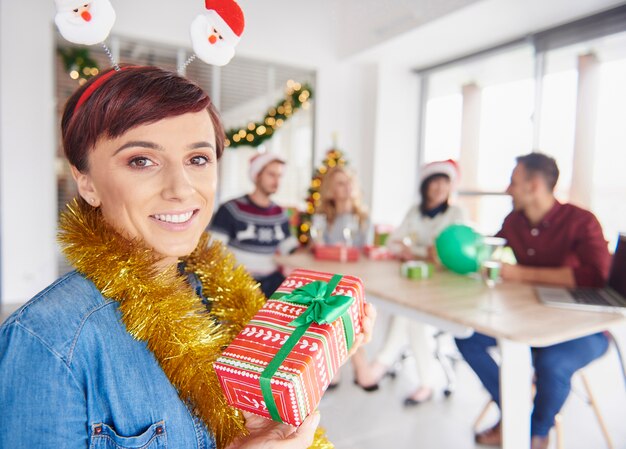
175, 221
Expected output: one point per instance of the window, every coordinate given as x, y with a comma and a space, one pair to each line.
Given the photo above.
480, 113
443, 128
609, 176
562, 92
558, 117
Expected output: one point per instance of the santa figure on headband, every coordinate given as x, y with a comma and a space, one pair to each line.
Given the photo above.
216, 32
85, 22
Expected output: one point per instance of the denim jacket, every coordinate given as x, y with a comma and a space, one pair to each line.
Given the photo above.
71, 376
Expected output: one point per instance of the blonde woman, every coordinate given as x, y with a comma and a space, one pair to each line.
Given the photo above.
346, 219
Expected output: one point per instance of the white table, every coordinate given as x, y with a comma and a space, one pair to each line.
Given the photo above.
458, 304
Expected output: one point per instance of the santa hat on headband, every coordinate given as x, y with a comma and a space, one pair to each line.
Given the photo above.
215, 33
259, 161
229, 16
448, 167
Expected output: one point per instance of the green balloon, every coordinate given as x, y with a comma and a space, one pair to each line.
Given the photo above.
458, 247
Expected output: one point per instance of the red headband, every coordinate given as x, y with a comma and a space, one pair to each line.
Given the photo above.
95, 85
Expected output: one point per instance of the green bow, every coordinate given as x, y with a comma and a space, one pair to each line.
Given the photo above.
322, 308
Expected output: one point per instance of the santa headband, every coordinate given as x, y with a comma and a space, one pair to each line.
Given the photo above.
229, 15
448, 167
214, 34
260, 161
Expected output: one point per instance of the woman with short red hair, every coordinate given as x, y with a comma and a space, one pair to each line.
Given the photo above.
119, 352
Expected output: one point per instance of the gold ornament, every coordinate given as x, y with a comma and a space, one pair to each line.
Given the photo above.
161, 309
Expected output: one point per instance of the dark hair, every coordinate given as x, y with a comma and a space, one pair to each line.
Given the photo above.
424, 191
136, 95
542, 165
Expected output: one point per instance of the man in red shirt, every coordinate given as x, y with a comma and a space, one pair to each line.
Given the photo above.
557, 244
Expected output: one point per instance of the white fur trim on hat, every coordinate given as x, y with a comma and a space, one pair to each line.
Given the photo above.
449, 168
260, 161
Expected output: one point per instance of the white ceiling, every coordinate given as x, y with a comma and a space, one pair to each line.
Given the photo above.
480, 25
361, 24
411, 32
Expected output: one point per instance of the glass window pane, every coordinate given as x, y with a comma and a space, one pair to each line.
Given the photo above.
506, 131
609, 177
487, 212
443, 128
558, 117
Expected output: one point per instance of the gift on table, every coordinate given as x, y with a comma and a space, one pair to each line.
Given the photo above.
417, 269
378, 252
339, 253
283, 360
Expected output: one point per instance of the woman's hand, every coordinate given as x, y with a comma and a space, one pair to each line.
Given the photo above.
368, 328
405, 252
268, 434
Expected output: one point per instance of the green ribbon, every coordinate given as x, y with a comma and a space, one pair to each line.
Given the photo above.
322, 308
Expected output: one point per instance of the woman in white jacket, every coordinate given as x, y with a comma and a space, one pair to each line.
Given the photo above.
414, 240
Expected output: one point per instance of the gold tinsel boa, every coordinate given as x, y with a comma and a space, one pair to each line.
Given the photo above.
160, 308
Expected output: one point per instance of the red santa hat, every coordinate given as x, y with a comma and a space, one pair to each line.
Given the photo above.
259, 161
228, 17
448, 167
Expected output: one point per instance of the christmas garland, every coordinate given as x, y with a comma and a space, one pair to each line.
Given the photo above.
78, 63
254, 134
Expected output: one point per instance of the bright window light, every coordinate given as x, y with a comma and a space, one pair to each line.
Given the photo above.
443, 128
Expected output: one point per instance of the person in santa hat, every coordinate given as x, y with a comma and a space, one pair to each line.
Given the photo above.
85, 22
414, 240
216, 33
254, 227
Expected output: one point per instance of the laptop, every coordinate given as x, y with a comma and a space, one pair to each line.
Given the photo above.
611, 298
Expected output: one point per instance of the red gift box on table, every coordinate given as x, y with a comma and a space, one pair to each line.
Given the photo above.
281, 363
378, 252
339, 253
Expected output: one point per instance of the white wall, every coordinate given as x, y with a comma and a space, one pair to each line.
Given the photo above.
346, 99
27, 147
395, 157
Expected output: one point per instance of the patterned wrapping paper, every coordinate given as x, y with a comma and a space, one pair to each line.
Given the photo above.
340, 253
378, 252
300, 381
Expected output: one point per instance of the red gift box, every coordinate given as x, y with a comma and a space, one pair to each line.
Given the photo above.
339, 253
378, 252
296, 387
